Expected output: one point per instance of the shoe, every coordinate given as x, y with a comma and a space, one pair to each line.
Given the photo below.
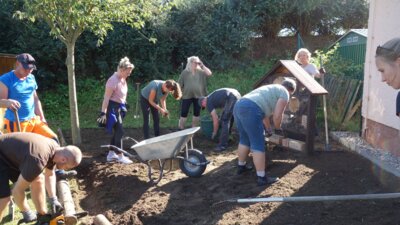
261, 181
112, 156
243, 169
124, 160
62, 174
219, 148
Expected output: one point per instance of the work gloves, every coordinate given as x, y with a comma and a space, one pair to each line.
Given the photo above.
279, 132
102, 119
55, 205
268, 132
28, 216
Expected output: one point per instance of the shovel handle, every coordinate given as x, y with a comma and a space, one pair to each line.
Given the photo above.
16, 116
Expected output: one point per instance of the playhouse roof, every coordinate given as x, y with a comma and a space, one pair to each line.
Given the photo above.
291, 67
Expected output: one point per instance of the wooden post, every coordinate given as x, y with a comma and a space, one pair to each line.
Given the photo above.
311, 114
100, 219
64, 194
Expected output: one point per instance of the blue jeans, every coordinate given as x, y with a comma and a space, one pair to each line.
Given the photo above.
249, 121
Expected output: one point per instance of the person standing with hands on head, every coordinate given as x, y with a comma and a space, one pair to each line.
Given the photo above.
113, 109
193, 81
224, 98
29, 160
153, 99
252, 116
303, 57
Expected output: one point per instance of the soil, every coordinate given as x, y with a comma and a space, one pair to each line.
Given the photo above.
123, 194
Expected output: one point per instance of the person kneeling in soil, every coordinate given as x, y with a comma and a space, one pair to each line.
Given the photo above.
252, 113
23, 157
222, 98
156, 92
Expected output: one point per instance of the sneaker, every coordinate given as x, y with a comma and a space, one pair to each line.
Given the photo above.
219, 148
62, 174
112, 156
261, 181
245, 168
124, 160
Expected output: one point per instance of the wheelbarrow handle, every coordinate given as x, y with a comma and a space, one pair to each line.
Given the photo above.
115, 148
16, 116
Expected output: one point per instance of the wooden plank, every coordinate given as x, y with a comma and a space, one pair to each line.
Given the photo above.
352, 111
311, 117
351, 103
303, 77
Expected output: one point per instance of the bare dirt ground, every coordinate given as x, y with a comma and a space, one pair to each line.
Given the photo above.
122, 192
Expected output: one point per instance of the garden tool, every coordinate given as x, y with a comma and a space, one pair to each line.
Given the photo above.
322, 72
136, 115
16, 116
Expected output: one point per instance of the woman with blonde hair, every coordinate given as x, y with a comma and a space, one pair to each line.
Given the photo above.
153, 99
113, 109
303, 57
193, 81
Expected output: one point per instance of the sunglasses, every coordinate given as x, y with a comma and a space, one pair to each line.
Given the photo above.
386, 52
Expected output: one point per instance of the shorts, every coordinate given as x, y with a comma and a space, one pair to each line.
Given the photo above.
186, 105
6, 175
249, 121
34, 125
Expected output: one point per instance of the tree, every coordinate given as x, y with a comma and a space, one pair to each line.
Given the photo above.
67, 20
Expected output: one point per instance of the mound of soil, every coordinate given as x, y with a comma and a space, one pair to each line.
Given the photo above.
123, 194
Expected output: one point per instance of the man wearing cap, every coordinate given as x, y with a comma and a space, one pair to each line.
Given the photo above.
223, 98
18, 92
29, 160
252, 117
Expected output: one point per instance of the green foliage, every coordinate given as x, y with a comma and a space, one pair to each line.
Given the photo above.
338, 66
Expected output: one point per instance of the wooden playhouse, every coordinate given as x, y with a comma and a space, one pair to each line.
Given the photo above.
300, 116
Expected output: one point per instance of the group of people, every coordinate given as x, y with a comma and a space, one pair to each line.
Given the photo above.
29, 152
30, 157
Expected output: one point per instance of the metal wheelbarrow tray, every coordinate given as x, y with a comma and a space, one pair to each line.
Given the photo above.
174, 145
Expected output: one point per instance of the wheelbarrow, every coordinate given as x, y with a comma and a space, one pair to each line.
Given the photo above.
174, 145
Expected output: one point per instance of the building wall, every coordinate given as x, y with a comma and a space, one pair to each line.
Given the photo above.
379, 99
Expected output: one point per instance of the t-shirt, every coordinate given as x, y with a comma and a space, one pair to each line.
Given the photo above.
219, 97
119, 87
311, 69
28, 153
22, 91
155, 85
267, 96
193, 85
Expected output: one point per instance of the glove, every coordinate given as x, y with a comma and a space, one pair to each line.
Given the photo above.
268, 132
279, 132
102, 119
28, 216
213, 135
55, 205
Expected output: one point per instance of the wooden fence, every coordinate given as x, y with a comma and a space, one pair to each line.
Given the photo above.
7, 63
344, 94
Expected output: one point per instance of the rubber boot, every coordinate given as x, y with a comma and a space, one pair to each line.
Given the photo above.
195, 121
182, 122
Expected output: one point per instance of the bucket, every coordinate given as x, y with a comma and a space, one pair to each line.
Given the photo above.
207, 127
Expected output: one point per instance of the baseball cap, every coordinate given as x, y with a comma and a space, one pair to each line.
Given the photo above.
27, 61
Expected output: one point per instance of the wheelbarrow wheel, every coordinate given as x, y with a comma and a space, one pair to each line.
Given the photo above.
189, 167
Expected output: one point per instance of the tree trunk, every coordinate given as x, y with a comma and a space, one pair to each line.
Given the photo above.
73, 103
